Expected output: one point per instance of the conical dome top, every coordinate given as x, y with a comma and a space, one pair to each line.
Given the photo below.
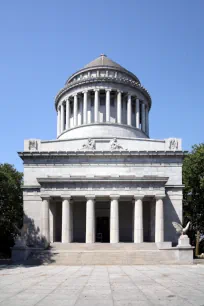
103, 60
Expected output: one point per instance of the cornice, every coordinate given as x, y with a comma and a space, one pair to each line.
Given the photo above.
99, 79
95, 153
108, 178
87, 69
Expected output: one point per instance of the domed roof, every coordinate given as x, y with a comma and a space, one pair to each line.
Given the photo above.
100, 62
103, 60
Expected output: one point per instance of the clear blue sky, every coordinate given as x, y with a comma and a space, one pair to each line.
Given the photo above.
44, 42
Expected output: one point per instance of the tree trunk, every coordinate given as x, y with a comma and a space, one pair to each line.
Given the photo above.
197, 243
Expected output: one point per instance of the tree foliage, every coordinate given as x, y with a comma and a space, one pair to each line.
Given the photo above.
11, 204
193, 179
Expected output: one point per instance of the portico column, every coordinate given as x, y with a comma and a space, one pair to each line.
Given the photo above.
129, 110
96, 105
114, 219
138, 220
143, 117
66, 220
67, 114
119, 107
45, 218
62, 117
85, 107
75, 109
90, 219
159, 220
137, 113
108, 105
58, 121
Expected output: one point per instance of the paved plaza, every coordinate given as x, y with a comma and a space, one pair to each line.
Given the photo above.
102, 285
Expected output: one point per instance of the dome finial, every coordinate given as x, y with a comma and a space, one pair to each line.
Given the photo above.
102, 54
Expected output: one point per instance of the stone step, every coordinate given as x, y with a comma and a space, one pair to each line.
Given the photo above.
102, 257
107, 246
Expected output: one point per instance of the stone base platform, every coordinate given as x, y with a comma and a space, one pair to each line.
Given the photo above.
111, 254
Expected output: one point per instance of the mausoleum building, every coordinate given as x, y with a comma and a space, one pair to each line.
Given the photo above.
103, 179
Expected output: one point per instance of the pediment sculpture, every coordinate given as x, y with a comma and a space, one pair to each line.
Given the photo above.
90, 145
114, 145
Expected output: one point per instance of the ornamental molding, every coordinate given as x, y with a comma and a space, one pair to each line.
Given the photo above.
101, 179
105, 154
100, 79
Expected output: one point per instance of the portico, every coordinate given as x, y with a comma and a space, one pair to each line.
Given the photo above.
113, 204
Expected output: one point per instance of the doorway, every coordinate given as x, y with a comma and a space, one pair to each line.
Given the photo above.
102, 229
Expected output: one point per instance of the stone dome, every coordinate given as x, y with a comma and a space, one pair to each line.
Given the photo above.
103, 99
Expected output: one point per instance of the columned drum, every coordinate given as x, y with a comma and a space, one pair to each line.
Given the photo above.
114, 97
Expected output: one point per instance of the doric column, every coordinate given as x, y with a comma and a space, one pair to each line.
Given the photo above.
90, 219
96, 105
67, 114
58, 121
85, 107
129, 110
114, 219
159, 220
108, 105
119, 107
137, 113
62, 117
66, 220
75, 109
143, 117
45, 218
138, 220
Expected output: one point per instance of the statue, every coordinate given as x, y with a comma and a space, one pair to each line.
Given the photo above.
90, 145
114, 145
183, 239
179, 228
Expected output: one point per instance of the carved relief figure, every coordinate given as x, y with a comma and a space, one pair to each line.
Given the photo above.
90, 145
33, 145
173, 144
114, 145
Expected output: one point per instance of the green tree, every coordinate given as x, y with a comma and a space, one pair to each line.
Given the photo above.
193, 179
11, 205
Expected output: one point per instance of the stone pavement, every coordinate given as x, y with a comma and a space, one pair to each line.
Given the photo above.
102, 285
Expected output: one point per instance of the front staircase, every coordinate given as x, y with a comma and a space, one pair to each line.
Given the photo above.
105, 254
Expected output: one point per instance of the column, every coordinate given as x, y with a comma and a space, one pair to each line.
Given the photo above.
67, 114
143, 117
114, 219
66, 220
159, 220
85, 107
75, 109
62, 117
108, 105
96, 105
58, 121
147, 120
45, 218
138, 220
119, 107
137, 113
90, 219
129, 110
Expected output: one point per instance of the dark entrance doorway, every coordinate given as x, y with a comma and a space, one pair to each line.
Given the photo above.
102, 229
